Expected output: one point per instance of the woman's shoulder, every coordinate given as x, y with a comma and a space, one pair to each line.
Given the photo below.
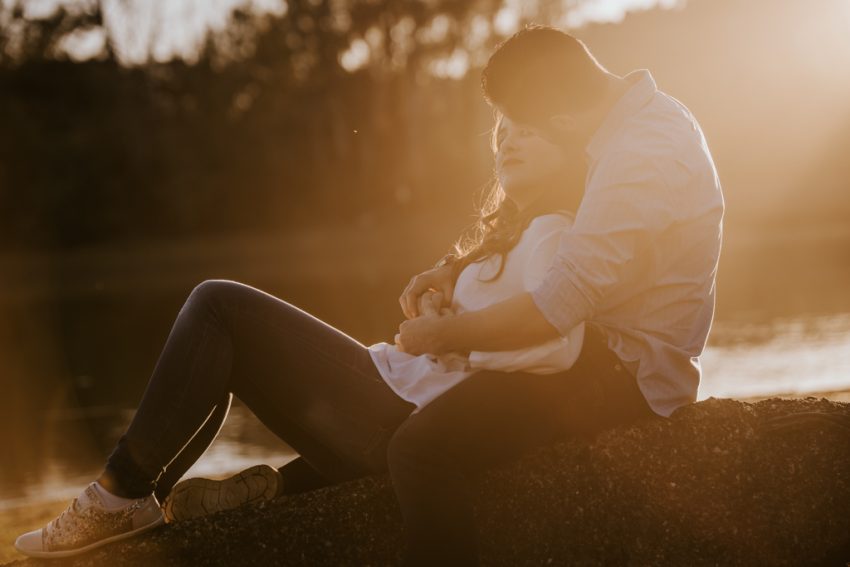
549, 228
561, 218
565, 214
558, 214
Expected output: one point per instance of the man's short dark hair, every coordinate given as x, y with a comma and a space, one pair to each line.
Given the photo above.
540, 71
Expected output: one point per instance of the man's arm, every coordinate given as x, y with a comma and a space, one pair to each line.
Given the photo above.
512, 324
618, 220
619, 216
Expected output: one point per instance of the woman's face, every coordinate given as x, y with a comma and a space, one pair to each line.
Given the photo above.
527, 164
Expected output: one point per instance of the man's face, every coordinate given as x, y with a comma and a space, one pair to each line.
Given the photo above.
568, 130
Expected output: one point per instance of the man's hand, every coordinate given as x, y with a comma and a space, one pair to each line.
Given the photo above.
435, 279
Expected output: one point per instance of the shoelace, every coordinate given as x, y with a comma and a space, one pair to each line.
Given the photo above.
57, 523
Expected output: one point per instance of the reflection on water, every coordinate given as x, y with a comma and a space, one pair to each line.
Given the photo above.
243, 441
789, 356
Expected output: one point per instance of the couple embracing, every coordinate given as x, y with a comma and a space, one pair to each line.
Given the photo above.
581, 301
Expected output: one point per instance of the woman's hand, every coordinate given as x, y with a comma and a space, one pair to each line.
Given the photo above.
435, 280
422, 333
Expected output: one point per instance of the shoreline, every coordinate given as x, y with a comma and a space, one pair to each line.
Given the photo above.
833, 395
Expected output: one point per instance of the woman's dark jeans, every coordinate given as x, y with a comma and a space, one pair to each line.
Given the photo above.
318, 390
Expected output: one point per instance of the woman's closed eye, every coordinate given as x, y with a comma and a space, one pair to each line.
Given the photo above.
520, 132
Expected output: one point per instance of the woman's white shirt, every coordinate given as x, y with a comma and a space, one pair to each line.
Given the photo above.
421, 378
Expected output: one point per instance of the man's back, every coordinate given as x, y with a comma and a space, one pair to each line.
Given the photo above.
641, 260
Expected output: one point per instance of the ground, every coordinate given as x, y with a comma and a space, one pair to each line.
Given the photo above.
718, 483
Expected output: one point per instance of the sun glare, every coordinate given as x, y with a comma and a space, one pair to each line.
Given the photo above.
611, 11
356, 56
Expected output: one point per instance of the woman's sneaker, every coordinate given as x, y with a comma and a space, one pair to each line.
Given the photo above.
197, 497
87, 524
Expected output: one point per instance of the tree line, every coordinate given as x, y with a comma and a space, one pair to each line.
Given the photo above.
263, 128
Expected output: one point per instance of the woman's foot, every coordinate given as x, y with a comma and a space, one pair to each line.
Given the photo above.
88, 523
197, 497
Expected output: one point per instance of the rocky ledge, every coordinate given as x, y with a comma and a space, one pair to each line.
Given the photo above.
721, 482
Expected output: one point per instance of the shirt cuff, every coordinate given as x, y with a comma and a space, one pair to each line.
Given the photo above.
561, 303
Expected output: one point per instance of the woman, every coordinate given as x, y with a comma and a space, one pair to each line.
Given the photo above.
346, 408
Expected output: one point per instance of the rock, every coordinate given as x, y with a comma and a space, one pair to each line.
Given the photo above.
715, 484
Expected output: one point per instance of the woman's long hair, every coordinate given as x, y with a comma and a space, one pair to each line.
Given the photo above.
496, 230
499, 225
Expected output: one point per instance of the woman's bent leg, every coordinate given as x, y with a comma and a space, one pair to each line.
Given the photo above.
299, 476
194, 449
311, 384
436, 453
491, 418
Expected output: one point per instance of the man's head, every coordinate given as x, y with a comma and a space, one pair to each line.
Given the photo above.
547, 78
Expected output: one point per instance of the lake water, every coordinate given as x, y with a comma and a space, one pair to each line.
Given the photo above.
78, 347
801, 356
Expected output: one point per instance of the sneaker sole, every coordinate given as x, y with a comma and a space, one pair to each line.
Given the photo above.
70, 552
198, 497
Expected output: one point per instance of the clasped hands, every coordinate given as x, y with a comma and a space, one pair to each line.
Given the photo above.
426, 302
422, 333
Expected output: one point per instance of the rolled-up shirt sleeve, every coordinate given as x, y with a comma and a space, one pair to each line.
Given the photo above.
618, 217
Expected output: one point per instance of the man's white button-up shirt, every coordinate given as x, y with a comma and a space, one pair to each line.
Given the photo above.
641, 259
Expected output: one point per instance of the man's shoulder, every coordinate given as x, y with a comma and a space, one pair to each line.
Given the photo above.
662, 126
661, 139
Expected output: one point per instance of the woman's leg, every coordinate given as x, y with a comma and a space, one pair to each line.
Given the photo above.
313, 385
194, 449
310, 383
297, 475
493, 417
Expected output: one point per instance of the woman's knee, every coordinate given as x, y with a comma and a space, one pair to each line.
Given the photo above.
214, 291
213, 288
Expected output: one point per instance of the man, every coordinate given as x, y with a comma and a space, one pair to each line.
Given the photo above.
638, 267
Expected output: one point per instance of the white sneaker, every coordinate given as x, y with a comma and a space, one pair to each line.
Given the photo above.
87, 524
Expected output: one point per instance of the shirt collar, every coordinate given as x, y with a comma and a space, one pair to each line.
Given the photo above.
641, 90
